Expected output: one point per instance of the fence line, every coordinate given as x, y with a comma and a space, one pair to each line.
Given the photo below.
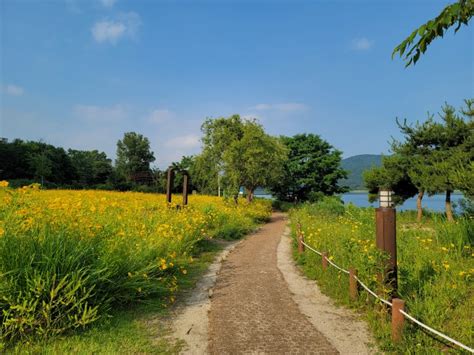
414, 320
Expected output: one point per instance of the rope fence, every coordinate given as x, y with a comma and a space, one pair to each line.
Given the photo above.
397, 305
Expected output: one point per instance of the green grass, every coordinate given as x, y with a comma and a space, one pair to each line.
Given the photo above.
143, 328
436, 270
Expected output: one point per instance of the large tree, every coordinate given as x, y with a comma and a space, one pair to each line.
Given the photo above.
439, 151
236, 153
254, 160
92, 167
133, 156
313, 168
456, 14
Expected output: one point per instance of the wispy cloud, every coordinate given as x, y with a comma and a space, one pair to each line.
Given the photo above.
112, 30
100, 113
184, 142
160, 116
13, 90
108, 3
284, 107
362, 44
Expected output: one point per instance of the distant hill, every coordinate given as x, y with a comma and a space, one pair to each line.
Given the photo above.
356, 165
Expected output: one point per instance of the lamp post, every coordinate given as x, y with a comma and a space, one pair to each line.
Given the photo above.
386, 231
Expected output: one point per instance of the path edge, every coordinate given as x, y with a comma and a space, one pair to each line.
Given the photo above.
340, 326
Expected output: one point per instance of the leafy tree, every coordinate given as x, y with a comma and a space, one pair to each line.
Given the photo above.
439, 150
236, 153
393, 175
255, 160
208, 169
133, 156
42, 166
92, 167
313, 168
458, 13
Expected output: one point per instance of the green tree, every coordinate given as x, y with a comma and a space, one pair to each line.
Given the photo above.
313, 168
208, 170
42, 166
458, 13
393, 175
255, 160
92, 167
439, 150
133, 156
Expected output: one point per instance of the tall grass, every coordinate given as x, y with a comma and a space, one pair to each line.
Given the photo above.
68, 257
435, 263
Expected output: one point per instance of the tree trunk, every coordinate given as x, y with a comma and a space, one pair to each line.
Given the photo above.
418, 206
449, 209
249, 194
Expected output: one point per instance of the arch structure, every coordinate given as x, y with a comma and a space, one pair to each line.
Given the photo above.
170, 182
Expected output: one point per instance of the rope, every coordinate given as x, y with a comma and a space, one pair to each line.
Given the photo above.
317, 252
372, 292
336, 266
434, 331
414, 320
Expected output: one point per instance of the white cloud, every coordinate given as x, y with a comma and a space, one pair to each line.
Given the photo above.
13, 90
184, 142
108, 3
112, 30
362, 44
286, 107
100, 113
160, 116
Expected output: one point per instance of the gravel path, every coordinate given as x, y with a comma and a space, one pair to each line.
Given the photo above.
252, 310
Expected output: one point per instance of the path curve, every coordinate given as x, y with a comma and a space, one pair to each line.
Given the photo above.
252, 310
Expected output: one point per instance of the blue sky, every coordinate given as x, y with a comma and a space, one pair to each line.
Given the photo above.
81, 73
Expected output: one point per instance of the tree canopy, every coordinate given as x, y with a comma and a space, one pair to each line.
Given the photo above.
133, 156
313, 168
456, 14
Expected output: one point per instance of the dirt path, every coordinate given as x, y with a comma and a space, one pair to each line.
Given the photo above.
252, 310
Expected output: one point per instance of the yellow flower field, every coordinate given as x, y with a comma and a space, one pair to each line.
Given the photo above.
68, 257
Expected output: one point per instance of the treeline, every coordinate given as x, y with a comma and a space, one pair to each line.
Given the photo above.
236, 154
25, 162
434, 157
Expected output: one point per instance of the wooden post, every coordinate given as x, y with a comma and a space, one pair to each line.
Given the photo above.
398, 319
169, 185
185, 188
353, 285
300, 239
386, 230
324, 260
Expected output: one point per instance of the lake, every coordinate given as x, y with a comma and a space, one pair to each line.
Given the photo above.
435, 202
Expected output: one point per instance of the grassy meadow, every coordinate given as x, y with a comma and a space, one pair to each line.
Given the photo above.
435, 262
69, 259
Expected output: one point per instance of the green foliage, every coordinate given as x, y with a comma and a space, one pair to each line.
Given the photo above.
61, 271
133, 156
436, 271
237, 153
255, 160
92, 167
458, 13
313, 167
392, 175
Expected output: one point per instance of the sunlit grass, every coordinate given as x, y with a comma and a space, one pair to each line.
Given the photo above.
435, 262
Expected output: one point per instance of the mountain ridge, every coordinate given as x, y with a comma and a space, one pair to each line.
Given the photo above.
356, 165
